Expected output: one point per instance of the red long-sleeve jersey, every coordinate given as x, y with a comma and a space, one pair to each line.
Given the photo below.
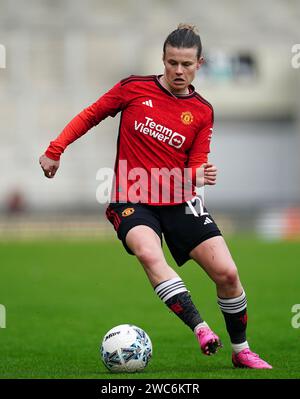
163, 139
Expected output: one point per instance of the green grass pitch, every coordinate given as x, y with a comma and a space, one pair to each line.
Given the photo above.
62, 297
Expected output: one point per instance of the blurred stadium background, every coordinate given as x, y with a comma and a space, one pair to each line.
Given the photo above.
62, 55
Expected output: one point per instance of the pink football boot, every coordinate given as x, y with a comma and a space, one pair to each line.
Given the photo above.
250, 360
209, 342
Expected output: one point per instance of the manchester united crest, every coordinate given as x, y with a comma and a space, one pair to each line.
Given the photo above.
187, 117
127, 212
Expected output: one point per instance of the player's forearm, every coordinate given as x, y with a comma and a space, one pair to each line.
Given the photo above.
107, 105
76, 128
196, 168
198, 176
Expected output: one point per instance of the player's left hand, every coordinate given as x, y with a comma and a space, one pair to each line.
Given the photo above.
210, 174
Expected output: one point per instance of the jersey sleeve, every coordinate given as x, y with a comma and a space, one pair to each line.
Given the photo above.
198, 154
109, 104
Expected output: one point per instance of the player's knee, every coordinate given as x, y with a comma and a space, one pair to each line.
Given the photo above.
147, 256
232, 277
229, 277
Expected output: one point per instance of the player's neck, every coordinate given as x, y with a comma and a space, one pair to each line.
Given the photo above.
165, 84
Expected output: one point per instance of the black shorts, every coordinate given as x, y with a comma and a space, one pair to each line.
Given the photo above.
183, 226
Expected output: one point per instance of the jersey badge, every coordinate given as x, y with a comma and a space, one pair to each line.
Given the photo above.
187, 118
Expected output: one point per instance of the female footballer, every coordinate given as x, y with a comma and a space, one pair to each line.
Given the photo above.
164, 141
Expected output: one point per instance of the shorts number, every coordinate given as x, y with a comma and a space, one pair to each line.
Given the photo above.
197, 210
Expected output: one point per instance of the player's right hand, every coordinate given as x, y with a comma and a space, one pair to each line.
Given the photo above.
49, 166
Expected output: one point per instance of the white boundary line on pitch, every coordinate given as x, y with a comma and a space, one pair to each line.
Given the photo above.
2, 316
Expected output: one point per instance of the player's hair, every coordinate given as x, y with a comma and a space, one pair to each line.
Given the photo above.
185, 36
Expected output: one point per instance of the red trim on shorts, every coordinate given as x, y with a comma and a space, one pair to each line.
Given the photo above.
113, 217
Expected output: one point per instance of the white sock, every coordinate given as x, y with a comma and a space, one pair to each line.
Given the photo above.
200, 325
239, 347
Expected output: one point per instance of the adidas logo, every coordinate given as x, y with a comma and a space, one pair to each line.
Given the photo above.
207, 220
148, 103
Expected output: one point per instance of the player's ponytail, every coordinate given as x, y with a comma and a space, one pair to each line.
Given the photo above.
185, 36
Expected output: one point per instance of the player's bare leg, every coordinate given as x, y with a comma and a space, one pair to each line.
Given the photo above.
146, 245
214, 257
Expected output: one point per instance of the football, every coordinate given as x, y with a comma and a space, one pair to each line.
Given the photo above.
126, 349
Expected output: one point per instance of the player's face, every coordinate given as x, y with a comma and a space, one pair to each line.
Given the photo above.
181, 65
